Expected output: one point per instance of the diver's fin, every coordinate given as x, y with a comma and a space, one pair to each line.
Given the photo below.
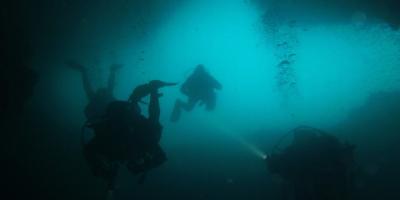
157, 84
170, 84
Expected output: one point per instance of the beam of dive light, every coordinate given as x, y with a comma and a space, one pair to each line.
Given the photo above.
251, 147
255, 150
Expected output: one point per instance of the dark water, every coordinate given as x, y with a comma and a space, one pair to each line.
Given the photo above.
333, 65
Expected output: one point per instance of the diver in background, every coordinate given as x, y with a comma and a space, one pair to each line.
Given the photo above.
316, 166
199, 88
100, 98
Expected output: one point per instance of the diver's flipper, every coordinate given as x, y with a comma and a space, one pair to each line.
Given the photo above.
170, 84
157, 84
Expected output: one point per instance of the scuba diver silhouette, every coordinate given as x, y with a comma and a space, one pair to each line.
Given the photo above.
126, 137
199, 88
314, 166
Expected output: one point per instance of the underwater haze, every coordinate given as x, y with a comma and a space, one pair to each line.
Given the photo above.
279, 69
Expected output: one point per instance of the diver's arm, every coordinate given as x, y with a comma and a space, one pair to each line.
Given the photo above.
139, 93
147, 89
154, 107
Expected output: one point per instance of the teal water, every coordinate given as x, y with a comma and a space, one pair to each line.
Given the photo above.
335, 69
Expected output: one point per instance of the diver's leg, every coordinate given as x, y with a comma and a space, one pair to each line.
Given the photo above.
189, 106
179, 105
85, 77
86, 84
211, 101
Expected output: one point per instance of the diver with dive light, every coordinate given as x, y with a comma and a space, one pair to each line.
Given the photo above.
314, 166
